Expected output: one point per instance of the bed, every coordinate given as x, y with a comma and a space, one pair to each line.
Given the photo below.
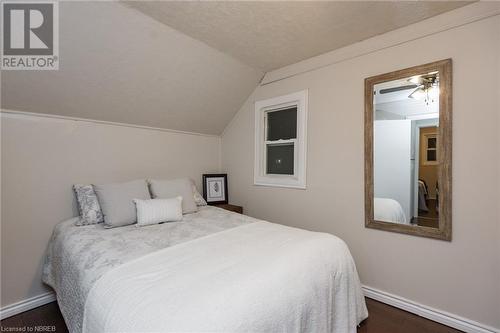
422, 196
214, 271
389, 210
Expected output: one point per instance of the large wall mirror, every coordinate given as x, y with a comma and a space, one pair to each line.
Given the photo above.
408, 145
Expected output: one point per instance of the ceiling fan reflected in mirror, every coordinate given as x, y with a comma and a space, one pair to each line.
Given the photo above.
427, 87
396, 89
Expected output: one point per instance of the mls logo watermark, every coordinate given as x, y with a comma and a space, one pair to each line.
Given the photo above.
30, 35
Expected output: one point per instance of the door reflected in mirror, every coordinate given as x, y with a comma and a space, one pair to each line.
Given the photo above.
408, 150
405, 135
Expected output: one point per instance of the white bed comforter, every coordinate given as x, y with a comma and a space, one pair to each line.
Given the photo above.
389, 210
78, 256
258, 277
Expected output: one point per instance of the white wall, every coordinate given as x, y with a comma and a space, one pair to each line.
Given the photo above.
392, 165
117, 64
462, 276
43, 157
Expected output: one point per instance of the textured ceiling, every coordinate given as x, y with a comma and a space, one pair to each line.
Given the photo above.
188, 65
270, 35
120, 65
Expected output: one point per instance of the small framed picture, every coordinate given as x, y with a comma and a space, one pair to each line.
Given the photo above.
215, 188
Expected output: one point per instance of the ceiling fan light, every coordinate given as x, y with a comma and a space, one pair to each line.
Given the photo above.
434, 92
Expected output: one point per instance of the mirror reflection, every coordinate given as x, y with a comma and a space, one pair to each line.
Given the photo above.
406, 150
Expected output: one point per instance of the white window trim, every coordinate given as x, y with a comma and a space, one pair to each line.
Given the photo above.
298, 179
426, 148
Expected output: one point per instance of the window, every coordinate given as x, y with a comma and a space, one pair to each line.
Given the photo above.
430, 151
280, 141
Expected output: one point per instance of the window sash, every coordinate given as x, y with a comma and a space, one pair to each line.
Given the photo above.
296, 100
276, 142
426, 161
266, 142
282, 108
281, 143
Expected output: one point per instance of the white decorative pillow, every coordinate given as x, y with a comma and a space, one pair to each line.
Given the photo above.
155, 211
198, 198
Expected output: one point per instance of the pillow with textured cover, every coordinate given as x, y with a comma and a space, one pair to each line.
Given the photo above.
88, 205
198, 198
117, 203
154, 211
167, 189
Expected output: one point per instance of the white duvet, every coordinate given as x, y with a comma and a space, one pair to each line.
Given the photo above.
389, 210
258, 277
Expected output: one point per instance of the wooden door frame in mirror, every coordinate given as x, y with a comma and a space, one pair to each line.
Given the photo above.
444, 67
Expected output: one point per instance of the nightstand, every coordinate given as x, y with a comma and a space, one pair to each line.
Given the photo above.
232, 208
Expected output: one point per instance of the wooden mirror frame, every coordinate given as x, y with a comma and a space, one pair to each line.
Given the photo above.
444, 67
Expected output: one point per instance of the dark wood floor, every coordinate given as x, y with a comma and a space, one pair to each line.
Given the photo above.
387, 319
429, 218
383, 319
47, 315
432, 211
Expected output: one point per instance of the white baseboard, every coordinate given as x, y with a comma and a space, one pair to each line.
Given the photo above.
27, 304
436, 315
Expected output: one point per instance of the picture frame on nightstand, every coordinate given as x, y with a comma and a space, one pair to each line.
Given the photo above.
215, 188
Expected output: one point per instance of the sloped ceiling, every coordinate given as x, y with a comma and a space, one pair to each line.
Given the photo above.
119, 65
188, 65
272, 34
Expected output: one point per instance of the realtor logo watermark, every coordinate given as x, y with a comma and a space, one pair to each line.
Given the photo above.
30, 35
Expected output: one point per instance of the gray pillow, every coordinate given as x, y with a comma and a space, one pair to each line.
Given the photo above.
88, 205
117, 203
166, 189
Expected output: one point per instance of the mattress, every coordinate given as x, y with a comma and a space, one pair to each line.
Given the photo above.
83, 263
